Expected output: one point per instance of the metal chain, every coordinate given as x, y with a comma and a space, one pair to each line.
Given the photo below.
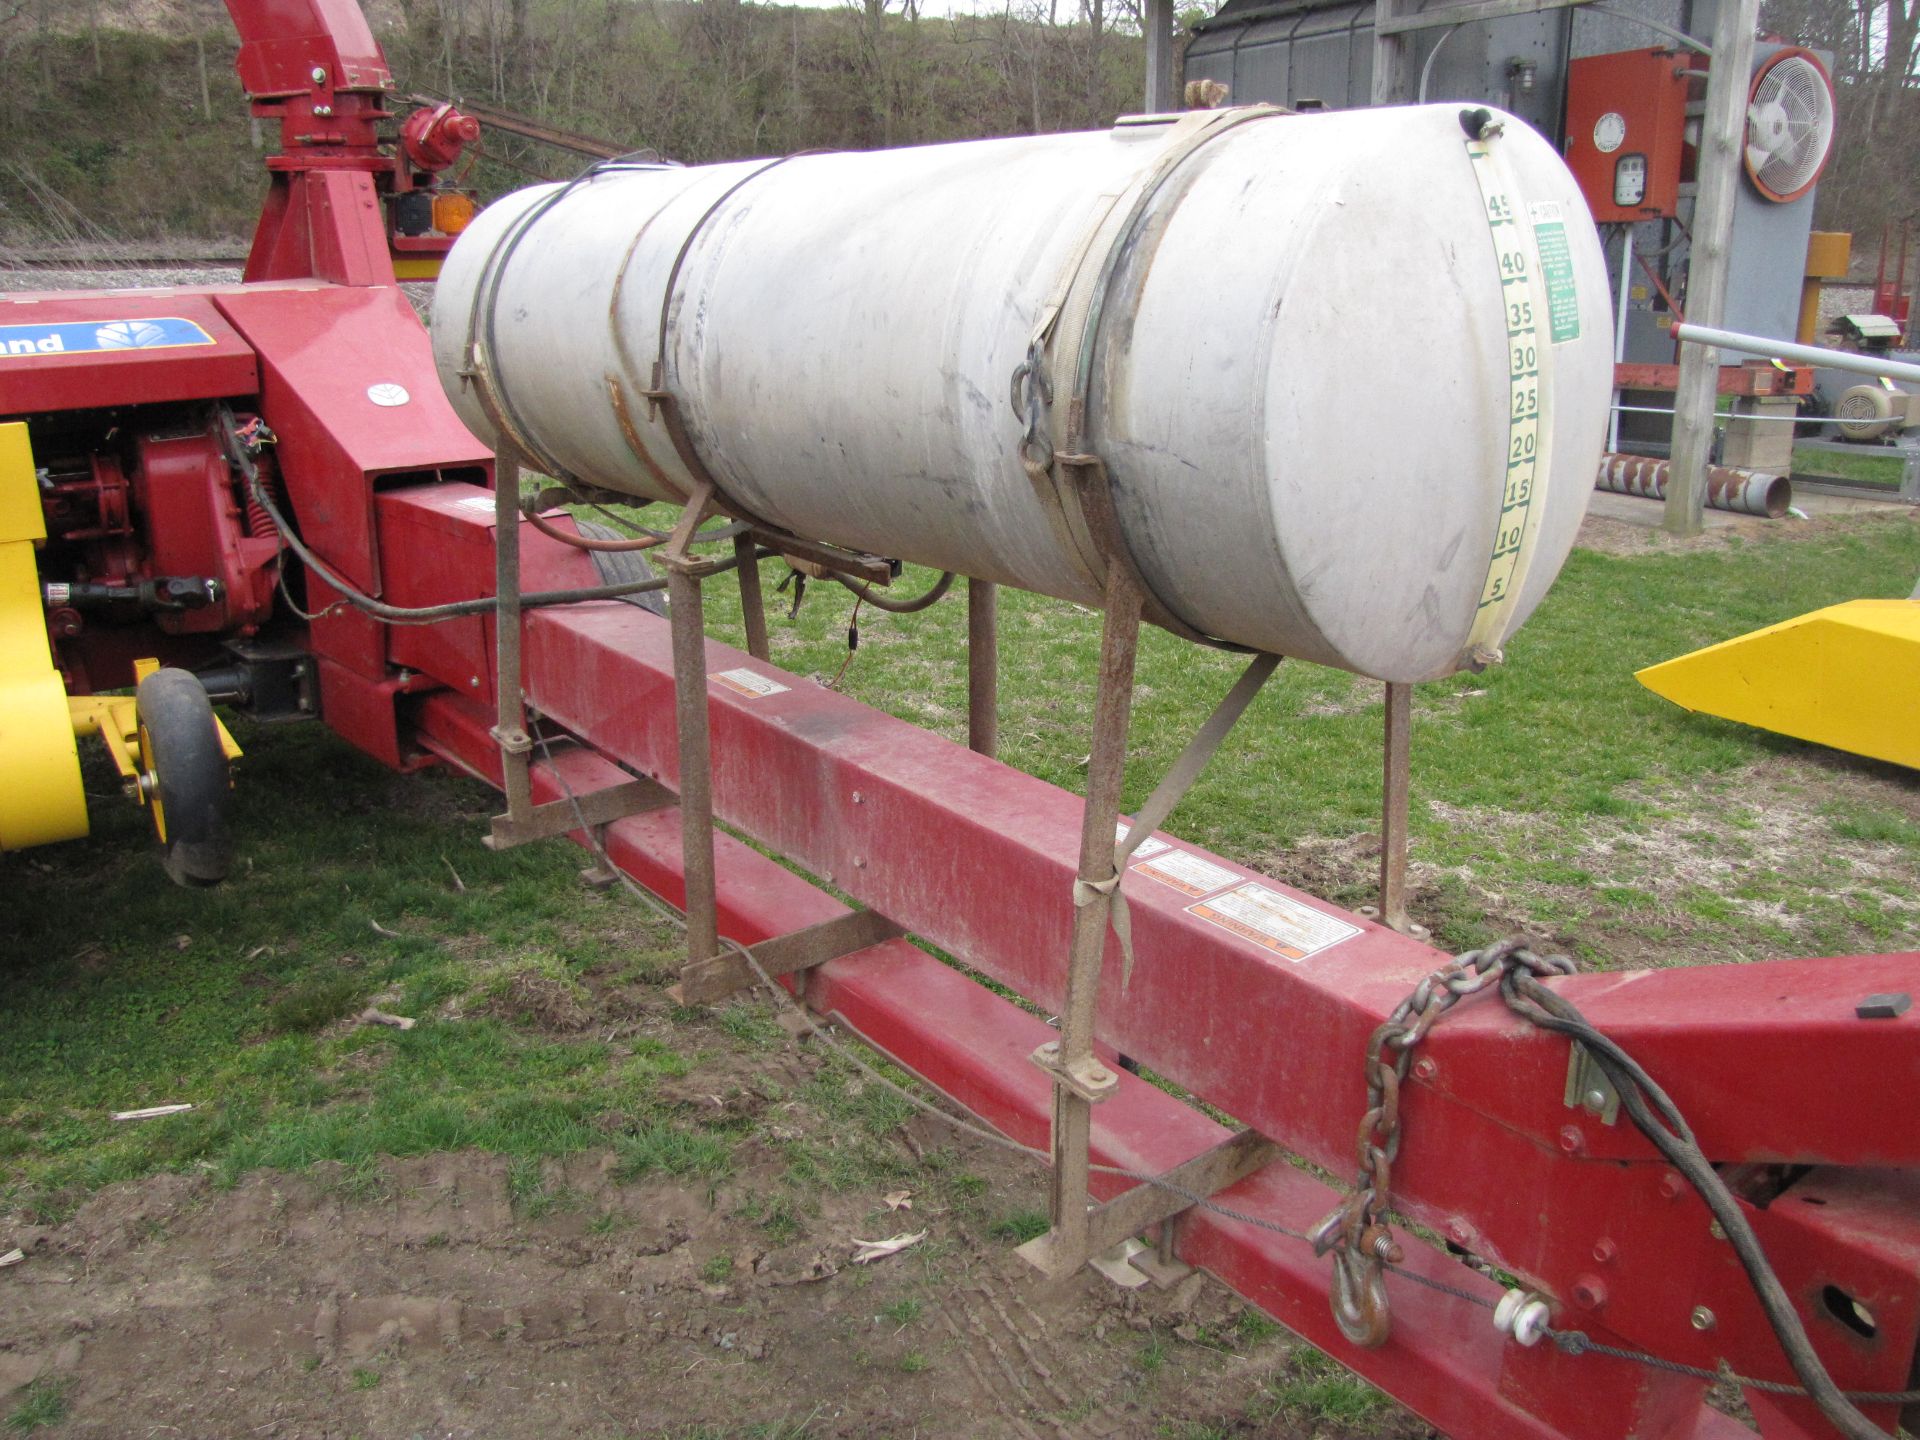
1466, 975
1355, 1231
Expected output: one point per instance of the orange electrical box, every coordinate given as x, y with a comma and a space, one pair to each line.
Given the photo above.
1626, 132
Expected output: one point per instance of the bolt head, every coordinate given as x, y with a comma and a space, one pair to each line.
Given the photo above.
319, 74
1425, 1068
1595, 1100
1589, 1292
1459, 1231
1604, 1251
1671, 1185
1703, 1318
1571, 1140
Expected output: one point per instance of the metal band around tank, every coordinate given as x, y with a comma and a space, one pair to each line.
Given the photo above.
658, 396
481, 366
1086, 501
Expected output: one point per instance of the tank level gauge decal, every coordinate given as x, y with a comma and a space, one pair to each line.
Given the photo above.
388, 394
1609, 132
1527, 249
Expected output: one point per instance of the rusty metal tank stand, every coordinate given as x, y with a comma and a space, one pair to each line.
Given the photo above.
524, 820
983, 667
1395, 799
753, 605
715, 968
1081, 1081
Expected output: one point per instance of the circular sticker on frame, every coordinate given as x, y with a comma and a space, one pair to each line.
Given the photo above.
387, 393
1609, 132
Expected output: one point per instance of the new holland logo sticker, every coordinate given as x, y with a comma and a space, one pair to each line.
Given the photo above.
156, 332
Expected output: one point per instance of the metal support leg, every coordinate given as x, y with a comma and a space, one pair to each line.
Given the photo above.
753, 607
983, 667
510, 723
688, 618
1395, 799
1080, 1080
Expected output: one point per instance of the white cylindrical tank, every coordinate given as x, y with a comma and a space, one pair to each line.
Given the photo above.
1348, 373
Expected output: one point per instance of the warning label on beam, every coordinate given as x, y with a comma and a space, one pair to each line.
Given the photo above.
1188, 874
1151, 845
1275, 922
745, 682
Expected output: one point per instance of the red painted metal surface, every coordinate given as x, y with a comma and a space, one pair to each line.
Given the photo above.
127, 373
282, 41
1757, 378
323, 351
977, 859
1642, 96
1444, 1359
193, 525
1769, 1060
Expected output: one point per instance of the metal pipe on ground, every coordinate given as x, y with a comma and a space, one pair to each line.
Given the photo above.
1744, 492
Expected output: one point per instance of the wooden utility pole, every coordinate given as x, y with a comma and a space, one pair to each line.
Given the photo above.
1723, 132
1392, 54
1158, 17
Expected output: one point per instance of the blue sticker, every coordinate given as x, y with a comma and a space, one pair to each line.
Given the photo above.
161, 332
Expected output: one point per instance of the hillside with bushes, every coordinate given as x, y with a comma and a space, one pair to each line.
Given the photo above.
126, 122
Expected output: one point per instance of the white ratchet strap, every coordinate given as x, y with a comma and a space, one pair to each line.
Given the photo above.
1167, 794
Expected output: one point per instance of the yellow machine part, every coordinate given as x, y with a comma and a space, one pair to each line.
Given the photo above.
41, 799
1847, 676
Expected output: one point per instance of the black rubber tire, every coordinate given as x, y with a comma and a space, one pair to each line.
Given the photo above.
181, 741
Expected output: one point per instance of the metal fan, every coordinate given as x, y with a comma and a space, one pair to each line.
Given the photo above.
1789, 125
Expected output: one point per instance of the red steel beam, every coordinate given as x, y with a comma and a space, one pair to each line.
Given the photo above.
977, 858
1444, 1359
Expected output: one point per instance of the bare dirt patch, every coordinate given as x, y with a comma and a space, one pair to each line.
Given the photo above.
1807, 852
417, 1301
1620, 537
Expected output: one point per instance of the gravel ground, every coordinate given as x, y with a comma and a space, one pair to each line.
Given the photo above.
22, 279
144, 278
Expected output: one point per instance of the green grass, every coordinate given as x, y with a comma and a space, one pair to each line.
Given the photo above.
1540, 752
1314, 1386
42, 1405
118, 990
1867, 465
1021, 1226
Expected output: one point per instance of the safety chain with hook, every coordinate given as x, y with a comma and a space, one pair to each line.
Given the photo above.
1356, 1232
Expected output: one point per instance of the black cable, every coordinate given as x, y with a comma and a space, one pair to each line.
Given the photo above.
933, 595
1641, 1097
424, 614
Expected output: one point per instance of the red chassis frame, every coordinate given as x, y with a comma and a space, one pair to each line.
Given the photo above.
1781, 1078
978, 859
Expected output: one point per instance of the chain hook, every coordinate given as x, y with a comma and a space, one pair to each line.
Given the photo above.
1356, 1232
1359, 1299
1032, 395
